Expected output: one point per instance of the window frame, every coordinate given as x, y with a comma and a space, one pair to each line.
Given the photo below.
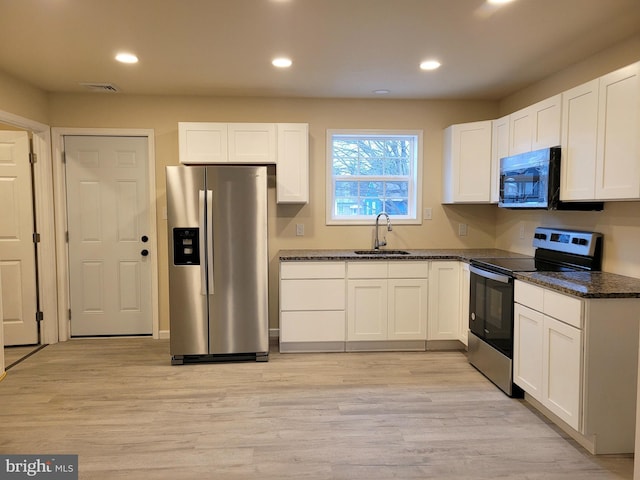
413, 217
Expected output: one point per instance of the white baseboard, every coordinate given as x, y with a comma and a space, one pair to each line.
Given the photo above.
163, 334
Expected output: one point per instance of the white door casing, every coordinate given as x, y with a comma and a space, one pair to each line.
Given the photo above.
17, 252
107, 206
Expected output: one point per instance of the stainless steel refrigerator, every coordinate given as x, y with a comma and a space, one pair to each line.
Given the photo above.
218, 263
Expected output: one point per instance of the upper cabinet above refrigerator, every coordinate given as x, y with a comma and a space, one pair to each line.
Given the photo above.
285, 145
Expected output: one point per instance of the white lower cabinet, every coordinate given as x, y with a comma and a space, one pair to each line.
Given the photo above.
387, 302
577, 360
562, 370
528, 332
444, 300
465, 287
312, 306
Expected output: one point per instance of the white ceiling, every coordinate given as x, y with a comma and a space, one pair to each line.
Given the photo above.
340, 48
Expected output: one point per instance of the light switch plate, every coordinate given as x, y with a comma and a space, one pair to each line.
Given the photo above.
427, 213
462, 229
299, 229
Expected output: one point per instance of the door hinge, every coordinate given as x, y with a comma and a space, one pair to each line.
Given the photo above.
36, 238
39, 316
33, 157
64, 157
69, 314
66, 236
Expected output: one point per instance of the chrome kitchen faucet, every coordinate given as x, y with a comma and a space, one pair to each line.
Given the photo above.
377, 243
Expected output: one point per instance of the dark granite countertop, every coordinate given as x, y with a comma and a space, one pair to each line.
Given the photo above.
430, 254
585, 284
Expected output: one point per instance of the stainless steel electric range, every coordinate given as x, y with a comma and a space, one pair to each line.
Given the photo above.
491, 296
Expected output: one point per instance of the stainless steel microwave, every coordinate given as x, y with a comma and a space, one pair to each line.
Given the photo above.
532, 180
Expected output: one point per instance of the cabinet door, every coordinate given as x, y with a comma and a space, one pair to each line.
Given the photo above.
444, 301
562, 367
292, 170
546, 123
202, 142
465, 287
252, 143
528, 332
467, 163
579, 135
499, 149
618, 146
407, 317
520, 131
536, 126
367, 309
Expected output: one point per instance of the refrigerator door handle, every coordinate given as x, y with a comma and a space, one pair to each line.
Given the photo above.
210, 264
201, 234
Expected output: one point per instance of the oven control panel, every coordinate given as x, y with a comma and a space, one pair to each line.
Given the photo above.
568, 241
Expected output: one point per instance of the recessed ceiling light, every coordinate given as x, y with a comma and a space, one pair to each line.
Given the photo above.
281, 62
382, 91
124, 57
498, 2
429, 65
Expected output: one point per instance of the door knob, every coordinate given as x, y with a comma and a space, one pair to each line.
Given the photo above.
144, 252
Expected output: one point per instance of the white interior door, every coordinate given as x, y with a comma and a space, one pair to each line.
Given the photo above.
17, 253
107, 210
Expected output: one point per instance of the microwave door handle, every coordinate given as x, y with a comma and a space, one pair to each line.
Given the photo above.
491, 275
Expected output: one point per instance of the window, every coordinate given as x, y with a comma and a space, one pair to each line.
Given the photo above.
369, 172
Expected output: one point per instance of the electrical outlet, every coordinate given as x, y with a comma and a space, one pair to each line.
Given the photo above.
462, 229
427, 213
299, 229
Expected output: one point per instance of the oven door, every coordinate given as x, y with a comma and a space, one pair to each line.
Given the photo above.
491, 309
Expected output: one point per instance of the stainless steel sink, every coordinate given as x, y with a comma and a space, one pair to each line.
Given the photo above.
381, 252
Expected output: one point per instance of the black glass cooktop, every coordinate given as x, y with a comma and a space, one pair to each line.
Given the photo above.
520, 264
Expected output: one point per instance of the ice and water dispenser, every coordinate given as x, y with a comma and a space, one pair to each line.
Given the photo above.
186, 246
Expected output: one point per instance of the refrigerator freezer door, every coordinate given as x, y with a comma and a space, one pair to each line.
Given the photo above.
188, 304
238, 301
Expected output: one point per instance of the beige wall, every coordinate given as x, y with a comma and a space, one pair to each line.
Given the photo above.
620, 221
163, 114
21, 99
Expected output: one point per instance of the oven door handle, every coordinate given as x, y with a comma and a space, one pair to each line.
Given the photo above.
491, 275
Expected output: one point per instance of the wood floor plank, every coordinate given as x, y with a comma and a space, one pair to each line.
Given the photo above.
127, 413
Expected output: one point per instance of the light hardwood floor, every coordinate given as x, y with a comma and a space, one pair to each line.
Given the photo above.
128, 413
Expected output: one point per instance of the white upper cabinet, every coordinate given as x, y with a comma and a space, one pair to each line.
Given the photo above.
202, 142
536, 126
206, 142
253, 143
618, 144
292, 171
601, 138
579, 133
499, 149
284, 144
466, 169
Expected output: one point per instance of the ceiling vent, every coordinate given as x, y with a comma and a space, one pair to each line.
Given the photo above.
101, 87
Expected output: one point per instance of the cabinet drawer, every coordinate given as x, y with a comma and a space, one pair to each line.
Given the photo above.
408, 269
312, 270
564, 308
376, 269
320, 294
312, 326
529, 295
